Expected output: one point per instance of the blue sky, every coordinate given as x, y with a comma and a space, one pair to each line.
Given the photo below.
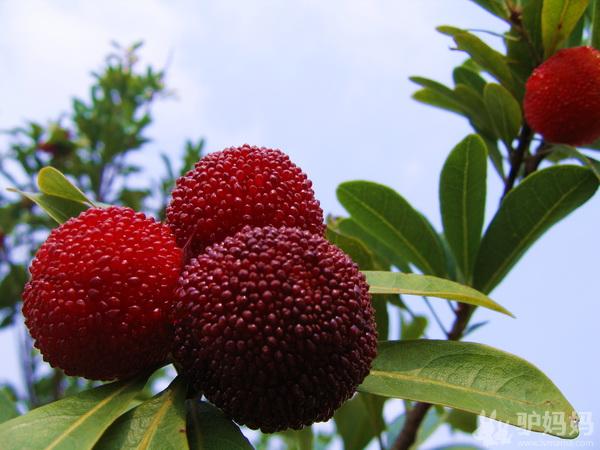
327, 82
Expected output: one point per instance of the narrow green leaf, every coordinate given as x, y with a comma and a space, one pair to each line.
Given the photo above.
156, 424
209, 429
474, 108
531, 17
73, 423
541, 200
298, 439
559, 17
468, 77
52, 182
462, 199
359, 420
392, 220
496, 158
426, 285
571, 152
8, 408
469, 377
489, 59
504, 111
57, 208
433, 98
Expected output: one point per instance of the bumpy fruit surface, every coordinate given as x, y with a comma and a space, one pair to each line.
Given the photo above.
235, 187
562, 97
100, 290
275, 326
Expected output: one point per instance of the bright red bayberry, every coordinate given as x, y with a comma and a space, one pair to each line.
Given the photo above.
235, 187
275, 326
562, 97
100, 290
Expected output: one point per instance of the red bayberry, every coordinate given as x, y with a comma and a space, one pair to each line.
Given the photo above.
562, 97
275, 326
241, 186
100, 289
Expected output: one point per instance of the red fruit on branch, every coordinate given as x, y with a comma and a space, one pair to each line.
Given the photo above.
100, 289
241, 186
275, 326
562, 97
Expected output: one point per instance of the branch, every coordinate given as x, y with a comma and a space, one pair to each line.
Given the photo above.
517, 157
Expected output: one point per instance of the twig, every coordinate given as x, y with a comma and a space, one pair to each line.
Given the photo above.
517, 157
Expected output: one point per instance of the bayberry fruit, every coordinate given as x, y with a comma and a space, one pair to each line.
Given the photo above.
562, 97
235, 187
275, 326
100, 290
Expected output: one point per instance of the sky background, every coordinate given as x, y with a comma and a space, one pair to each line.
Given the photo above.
327, 82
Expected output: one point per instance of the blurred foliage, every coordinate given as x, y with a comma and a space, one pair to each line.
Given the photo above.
92, 145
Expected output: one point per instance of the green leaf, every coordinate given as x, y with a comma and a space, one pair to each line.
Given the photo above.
426, 285
470, 377
462, 199
158, 423
71, 423
559, 17
462, 421
393, 221
11, 286
8, 408
52, 182
433, 98
474, 108
359, 420
209, 429
57, 208
489, 59
434, 418
386, 255
413, 329
468, 77
298, 439
504, 111
352, 247
531, 17
540, 201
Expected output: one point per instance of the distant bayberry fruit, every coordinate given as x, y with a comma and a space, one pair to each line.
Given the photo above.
235, 187
562, 97
100, 289
275, 326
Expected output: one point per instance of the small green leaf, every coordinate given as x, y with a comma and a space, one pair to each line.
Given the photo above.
462, 199
540, 201
298, 439
359, 420
504, 111
73, 423
413, 329
468, 77
156, 424
57, 208
559, 17
52, 182
567, 151
433, 98
426, 285
470, 377
462, 421
357, 251
209, 429
474, 108
8, 408
489, 59
393, 221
